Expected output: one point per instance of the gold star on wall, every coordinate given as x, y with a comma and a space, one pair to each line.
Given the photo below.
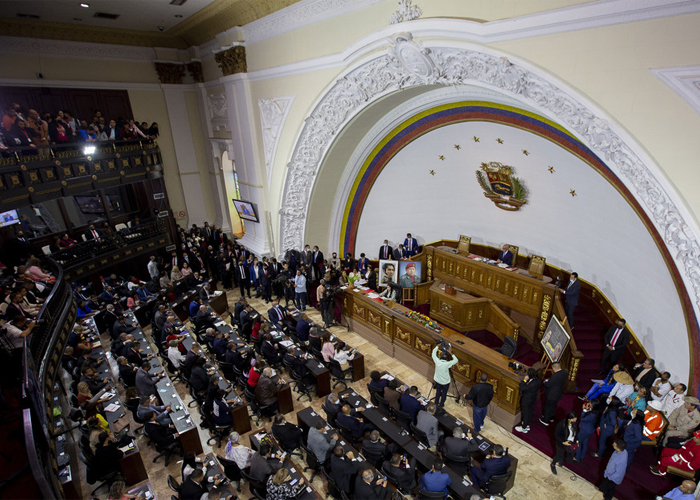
551, 169
499, 140
525, 152
441, 157
572, 192
432, 172
458, 147
476, 139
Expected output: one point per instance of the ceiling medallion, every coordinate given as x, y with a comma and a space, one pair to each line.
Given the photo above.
414, 58
507, 192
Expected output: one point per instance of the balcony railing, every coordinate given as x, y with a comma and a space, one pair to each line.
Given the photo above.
29, 176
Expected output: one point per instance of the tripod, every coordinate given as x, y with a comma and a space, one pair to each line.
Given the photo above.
452, 383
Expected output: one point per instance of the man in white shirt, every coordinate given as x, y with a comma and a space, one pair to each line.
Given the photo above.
153, 268
17, 329
175, 355
660, 387
673, 399
300, 291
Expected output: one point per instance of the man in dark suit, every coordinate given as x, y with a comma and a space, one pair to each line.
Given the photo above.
243, 277
505, 256
459, 444
269, 351
287, 434
616, 339
237, 309
203, 318
374, 446
496, 462
481, 395
205, 292
369, 487
350, 419
410, 245
554, 390
571, 292
194, 487
92, 233
343, 468
409, 403
114, 132
127, 372
277, 314
266, 277
399, 253
385, 251
403, 478
646, 374
120, 327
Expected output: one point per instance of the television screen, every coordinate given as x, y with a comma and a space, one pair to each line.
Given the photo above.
90, 204
8, 218
246, 210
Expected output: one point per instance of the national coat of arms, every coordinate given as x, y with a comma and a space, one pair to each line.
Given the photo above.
499, 185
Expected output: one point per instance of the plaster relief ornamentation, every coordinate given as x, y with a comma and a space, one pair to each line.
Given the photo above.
385, 73
273, 114
195, 69
405, 12
507, 192
217, 105
414, 58
170, 72
232, 60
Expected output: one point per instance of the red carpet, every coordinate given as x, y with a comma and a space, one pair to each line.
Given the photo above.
639, 482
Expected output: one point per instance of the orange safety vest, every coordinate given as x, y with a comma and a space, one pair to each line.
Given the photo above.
652, 424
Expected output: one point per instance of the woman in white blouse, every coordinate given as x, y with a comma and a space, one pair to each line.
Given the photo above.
341, 355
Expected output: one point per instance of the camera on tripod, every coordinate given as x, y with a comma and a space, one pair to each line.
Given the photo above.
444, 349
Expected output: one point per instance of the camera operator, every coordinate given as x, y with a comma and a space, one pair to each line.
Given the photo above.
324, 296
441, 377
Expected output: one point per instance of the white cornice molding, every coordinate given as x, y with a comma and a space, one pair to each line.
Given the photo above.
79, 84
685, 81
74, 50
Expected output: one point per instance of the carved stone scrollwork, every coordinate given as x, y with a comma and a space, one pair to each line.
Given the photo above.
408, 67
232, 60
217, 105
272, 114
405, 12
170, 72
195, 69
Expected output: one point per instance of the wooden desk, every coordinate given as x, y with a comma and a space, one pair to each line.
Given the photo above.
412, 343
133, 469
358, 367
528, 295
219, 303
285, 400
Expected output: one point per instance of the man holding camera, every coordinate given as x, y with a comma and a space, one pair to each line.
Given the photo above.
441, 377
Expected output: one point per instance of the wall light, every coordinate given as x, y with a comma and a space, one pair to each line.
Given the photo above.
85, 5
88, 150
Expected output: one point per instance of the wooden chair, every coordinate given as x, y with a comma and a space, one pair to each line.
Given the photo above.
463, 245
537, 264
514, 249
692, 475
408, 295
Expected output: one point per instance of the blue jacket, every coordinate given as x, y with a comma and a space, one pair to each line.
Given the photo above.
587, 423
194, 308
410, 405
303, 328
609, 420
490, 467
633, 436
435, 481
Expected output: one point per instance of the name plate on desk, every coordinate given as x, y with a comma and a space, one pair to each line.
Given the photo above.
450, 290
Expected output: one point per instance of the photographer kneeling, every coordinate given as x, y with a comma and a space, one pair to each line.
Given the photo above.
441, 377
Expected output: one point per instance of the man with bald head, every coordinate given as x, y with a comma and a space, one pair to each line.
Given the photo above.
682, 492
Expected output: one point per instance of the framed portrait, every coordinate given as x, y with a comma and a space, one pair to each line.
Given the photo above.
246, 210
409, 273
388, 271
554, 340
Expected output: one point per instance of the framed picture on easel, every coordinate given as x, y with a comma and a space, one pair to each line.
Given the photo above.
555, 340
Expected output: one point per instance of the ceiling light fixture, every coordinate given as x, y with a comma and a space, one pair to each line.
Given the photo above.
177, 2
178, 16
85, 5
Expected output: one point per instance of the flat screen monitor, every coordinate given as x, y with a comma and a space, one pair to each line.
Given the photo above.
246, 210
90, 204
8, 218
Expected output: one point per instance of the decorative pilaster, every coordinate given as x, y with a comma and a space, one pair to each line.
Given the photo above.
170, 72
195, 69
232, 60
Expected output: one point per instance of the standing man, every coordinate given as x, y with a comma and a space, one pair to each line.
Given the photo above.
615, 471
410, 245
385, 251
243, 276
616, 339
362, 264
441, 377
399, 253
572, 291
553, 391
153, 268
481, 394
300, 291
317, 264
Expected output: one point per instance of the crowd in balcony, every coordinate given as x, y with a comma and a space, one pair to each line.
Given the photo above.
29, 132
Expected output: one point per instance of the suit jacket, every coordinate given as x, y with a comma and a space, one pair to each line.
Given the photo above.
204, 319
413, 244
573, 290
243, 273
459, 447
393, 398
377, 448
403, 478
506, 257
89, 236
261, 467
428, 424
622, 340
204, 295
490, 467
199, 379
410, 405
288, 435
561, 432
386, 253
275, 316
435, 481
117, 132
398, 253
145, 383
128, 375
554, 387
371, 491
317, 258
529, 391
648, 379
192, 490
342, 470
352, 423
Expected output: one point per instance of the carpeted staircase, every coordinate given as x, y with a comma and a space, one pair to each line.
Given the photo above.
588, 334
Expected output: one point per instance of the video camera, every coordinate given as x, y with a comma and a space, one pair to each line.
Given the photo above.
517, 367
444, 349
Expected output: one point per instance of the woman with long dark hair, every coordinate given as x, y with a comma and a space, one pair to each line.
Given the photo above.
565, 436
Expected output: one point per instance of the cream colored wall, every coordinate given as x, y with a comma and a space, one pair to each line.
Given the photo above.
198, 135
151, 104
91, 70
611, 67
336, 34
